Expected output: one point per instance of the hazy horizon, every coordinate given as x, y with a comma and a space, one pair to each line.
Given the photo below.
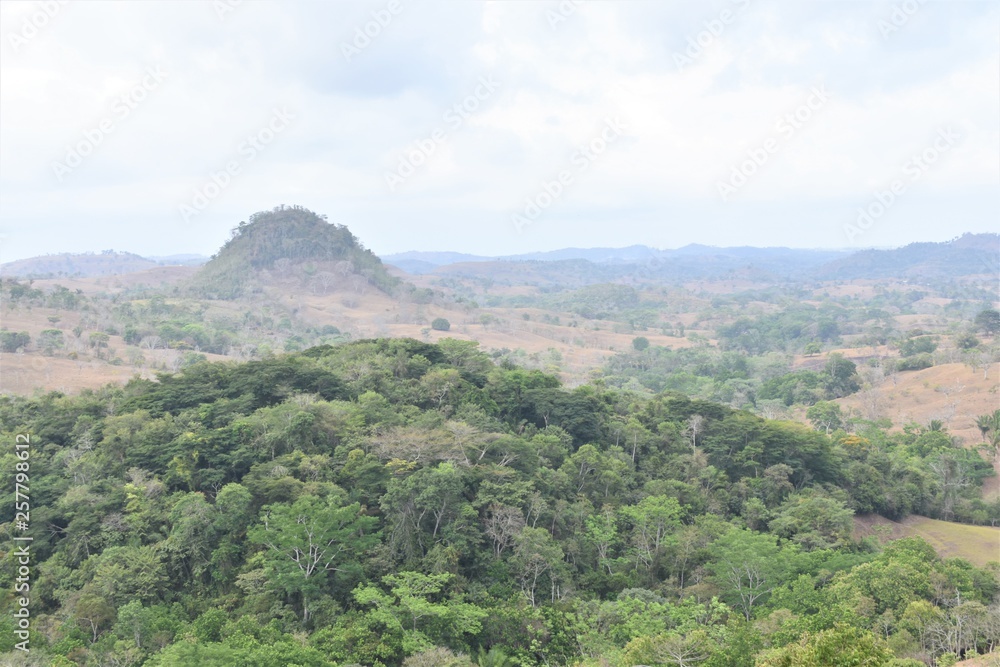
499, 128
208, 255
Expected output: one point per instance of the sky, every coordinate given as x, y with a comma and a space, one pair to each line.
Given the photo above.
498, 128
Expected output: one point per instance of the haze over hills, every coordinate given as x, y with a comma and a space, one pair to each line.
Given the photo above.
957, 251
969, 254
183, 259
90, 264
107, 263
425, 262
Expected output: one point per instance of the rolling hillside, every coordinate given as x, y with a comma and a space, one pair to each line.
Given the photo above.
77, 265
970, 254
976, 544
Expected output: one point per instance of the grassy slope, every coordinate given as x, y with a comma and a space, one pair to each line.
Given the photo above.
953, 393
991, 660
977, 544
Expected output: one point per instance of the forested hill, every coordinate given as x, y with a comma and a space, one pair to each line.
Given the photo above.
283, 238
392, 502
970, 254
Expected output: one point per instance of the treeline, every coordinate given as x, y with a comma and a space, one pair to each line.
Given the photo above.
390, 502
730, 377
150, 320
750, 368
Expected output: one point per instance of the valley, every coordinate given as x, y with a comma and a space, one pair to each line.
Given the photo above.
851, 416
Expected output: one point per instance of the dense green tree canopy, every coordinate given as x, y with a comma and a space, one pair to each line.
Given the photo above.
390, 502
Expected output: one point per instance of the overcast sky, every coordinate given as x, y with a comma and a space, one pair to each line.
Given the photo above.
499, 127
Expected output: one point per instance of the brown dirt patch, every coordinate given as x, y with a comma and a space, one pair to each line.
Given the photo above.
953, 393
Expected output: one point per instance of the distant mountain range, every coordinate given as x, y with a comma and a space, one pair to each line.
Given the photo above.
970, 254
86, 265
179, 260
426, 262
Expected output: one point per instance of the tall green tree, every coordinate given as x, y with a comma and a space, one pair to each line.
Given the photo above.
814, 520
747, 566
841, 646
309, 539
654, 521
416, 605
537, 561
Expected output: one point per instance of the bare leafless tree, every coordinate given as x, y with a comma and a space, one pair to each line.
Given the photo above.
694, 428
502, 524
150, 342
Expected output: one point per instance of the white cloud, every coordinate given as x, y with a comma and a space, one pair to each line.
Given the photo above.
687, 128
